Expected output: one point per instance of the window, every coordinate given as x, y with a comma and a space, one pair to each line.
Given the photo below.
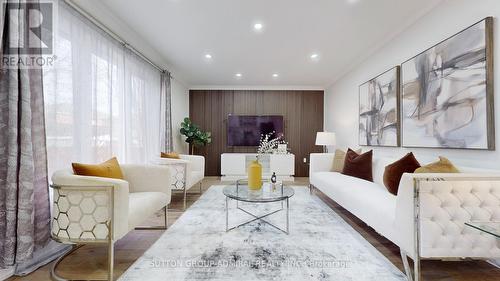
101, 100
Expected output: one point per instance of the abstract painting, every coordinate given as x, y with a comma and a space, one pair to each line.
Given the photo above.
447, 98
378, 110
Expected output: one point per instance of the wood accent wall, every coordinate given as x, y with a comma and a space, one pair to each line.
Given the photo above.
302, 112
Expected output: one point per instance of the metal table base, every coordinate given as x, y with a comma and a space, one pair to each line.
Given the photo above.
260, 217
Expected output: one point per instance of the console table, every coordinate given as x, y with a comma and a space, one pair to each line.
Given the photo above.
234, 165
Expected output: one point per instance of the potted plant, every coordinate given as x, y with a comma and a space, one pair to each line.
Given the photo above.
194, 136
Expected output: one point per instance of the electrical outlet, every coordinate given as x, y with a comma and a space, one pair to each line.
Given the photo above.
305, 160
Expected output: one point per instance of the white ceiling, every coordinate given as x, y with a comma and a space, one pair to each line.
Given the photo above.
341, 32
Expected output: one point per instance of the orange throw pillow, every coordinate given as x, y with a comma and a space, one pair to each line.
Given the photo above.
442, 166
108, 169
358, 165
393, 172
173, 155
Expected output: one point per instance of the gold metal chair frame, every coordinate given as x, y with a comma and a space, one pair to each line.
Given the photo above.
179, 171
79, 242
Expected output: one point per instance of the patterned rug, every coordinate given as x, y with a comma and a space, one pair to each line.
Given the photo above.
320, 246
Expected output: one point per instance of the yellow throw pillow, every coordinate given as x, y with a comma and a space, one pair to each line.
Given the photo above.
173, 155
442, 166
108, 169
339, 159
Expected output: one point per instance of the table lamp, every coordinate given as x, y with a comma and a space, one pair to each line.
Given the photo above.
324, 139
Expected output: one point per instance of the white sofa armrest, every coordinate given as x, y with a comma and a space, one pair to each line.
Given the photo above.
446, 202
66, 178
147, 178
197, 162
167, 161
320, 162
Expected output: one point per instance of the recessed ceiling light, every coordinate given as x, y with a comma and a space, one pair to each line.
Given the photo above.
314, 56
208, 56
258, 26
352, 1
238, 75
275, 75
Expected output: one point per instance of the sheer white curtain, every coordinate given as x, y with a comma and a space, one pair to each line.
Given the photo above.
101, 100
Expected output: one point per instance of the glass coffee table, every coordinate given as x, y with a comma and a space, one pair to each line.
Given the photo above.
269, 193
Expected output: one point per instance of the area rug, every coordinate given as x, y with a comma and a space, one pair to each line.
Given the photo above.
320, 246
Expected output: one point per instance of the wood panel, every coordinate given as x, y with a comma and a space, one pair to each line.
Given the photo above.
312, 123
302, 112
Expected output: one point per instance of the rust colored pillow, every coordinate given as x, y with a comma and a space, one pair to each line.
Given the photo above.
393, 172
108, 169
358, 165
172, 155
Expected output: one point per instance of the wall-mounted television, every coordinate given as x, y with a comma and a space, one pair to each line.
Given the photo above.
246, 130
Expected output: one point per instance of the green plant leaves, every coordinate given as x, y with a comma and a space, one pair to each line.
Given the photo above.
193, 134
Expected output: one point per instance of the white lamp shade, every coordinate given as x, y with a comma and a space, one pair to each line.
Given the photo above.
325, 138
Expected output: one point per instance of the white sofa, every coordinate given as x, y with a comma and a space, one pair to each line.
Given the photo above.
102, 210
185, 172
438, 205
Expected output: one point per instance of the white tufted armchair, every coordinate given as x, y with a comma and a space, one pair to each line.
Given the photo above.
102, 210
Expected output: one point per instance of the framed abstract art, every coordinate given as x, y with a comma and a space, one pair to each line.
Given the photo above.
447, 92
378, 110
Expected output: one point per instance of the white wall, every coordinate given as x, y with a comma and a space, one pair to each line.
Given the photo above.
180, 110
451, 16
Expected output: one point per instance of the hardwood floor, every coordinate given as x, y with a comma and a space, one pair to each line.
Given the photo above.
89, 262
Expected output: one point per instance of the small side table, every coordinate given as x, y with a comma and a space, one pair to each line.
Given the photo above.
490, 227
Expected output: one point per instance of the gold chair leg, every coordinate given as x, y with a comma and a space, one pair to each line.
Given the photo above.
160, 227
185, 193
111, 259
54, 276
166, 217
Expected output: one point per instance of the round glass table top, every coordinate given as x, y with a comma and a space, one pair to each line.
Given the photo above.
268, 193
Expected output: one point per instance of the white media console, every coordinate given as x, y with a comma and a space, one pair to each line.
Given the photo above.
234, 165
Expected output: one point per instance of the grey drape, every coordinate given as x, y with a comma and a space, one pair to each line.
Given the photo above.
24, 198
166, 112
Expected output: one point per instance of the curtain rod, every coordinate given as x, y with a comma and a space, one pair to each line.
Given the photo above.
113, 35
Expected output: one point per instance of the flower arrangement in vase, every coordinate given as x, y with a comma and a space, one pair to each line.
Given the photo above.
268, 145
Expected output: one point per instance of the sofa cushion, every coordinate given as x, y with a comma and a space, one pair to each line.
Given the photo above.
393, 172
339, 159
443, 165
366, 200
143, 205
108, 169
358, 165
196, 176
